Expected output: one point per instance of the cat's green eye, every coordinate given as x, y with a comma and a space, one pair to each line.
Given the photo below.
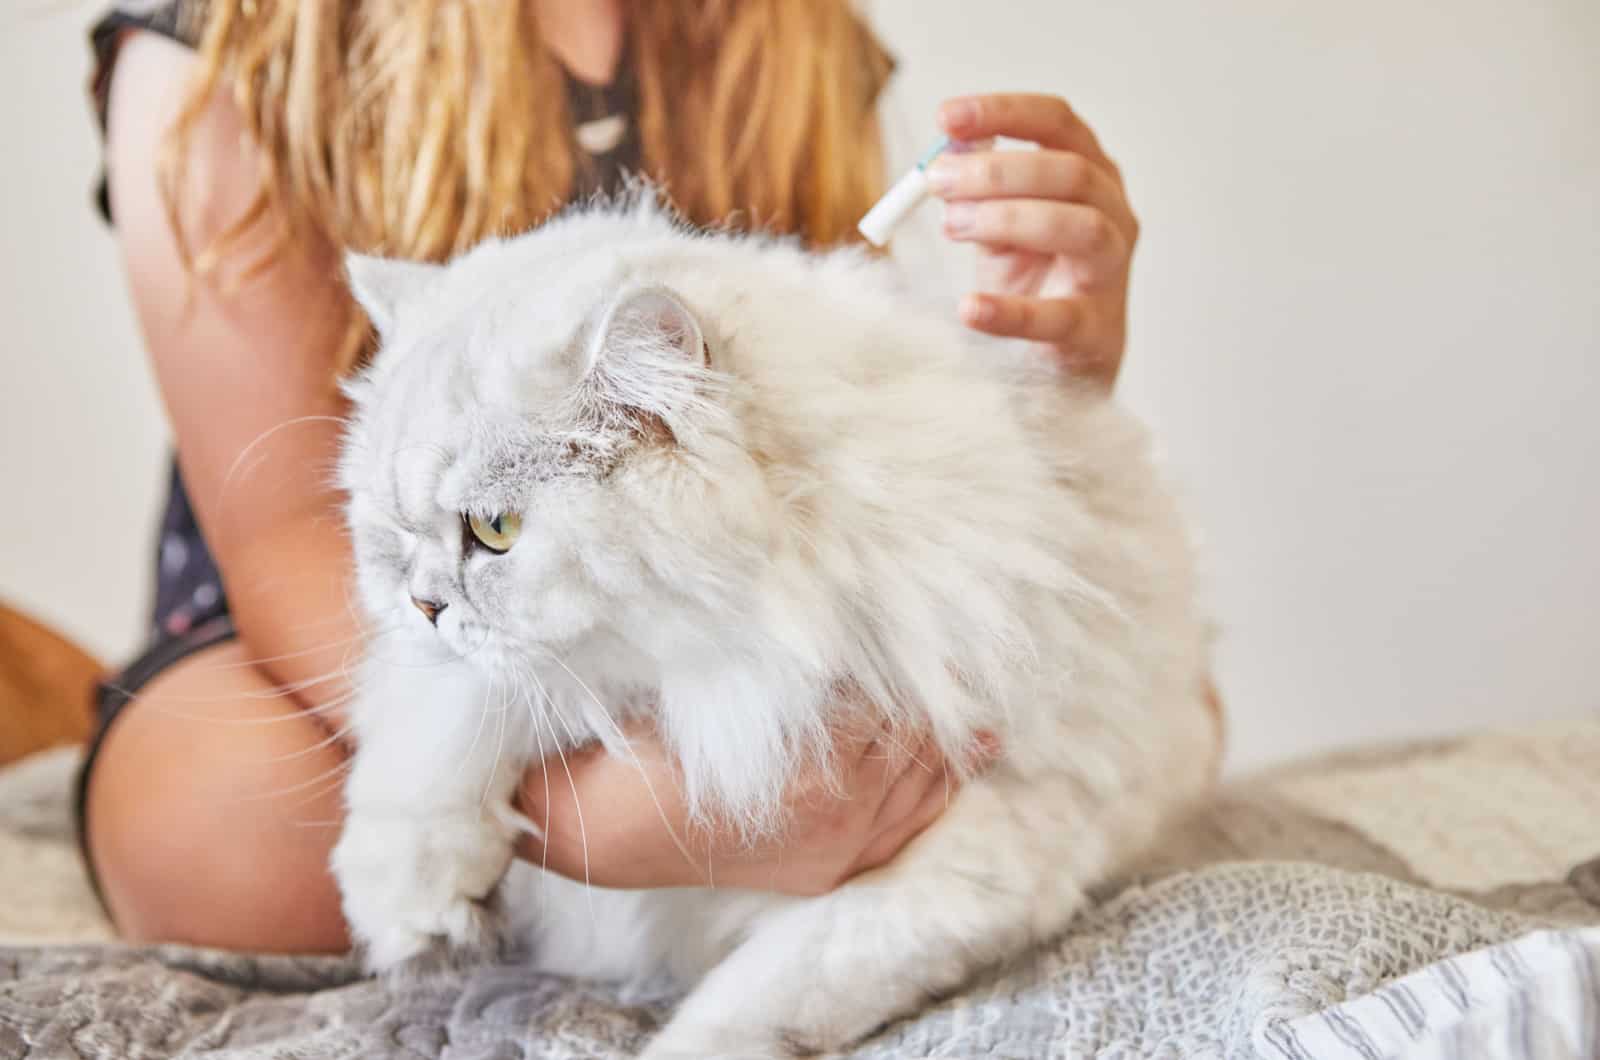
497, 534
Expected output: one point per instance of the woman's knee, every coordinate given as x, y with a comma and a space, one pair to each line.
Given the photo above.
210, 813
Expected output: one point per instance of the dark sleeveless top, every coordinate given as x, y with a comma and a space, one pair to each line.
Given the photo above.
189, 594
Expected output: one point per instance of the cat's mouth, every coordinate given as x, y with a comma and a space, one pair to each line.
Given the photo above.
469, 639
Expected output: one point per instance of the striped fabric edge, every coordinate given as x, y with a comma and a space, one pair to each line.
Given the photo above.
1536, 997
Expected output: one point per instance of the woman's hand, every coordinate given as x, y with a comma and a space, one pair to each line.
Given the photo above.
1053, 227
621, 821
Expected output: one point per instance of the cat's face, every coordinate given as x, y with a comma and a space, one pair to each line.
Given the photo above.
527, 452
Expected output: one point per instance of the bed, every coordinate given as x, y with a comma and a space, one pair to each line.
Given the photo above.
1439, 899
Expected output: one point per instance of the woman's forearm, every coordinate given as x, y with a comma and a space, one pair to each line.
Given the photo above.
289, 591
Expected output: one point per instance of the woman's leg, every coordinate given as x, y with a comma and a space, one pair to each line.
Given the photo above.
211, 809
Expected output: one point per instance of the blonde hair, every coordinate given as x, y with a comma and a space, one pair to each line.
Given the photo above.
417, 128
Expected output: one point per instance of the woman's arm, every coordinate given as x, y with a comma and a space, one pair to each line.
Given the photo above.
214, 798
621, 821
245, 366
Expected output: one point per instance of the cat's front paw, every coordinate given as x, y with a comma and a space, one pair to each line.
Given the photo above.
411, 883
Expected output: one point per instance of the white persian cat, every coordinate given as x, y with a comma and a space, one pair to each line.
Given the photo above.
616, 467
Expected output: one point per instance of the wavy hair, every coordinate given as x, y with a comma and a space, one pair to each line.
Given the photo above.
417, 128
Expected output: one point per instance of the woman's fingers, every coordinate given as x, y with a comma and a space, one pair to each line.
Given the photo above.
921, 796
1068, 324
1054, 320
909, 772
1062, 176
1098, 249
984, 751
1045, 120
921, 792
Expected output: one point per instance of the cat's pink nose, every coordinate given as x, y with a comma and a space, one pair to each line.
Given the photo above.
430, 609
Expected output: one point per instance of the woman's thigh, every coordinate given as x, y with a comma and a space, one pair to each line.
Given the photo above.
211, 810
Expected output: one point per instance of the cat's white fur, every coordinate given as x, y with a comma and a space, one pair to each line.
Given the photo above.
850, 487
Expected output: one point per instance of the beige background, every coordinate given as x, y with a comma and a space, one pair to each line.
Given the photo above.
1364, 325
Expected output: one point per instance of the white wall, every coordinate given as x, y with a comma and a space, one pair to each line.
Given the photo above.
81, 429
1364, 325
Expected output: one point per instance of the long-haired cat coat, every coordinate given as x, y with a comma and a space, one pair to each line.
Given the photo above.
614, 467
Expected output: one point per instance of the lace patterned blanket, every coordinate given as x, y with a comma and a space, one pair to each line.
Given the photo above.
1435, 900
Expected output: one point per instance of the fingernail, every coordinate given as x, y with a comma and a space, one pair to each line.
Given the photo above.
976, 311
960, 218
958, 114
941, 175
984, 750
967, 147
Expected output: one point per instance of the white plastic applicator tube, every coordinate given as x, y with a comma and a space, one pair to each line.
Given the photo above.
907, 192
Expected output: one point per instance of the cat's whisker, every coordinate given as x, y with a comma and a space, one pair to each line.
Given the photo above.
334, 737
350, 608
351, 658
412, 663
889, 737
544, 772
245, 664
506, 710
318, 623
336, 773
227, 479
633, 757
265, 694
295, 687
483, 717
499, 749
577, 805
333, 783
160, 705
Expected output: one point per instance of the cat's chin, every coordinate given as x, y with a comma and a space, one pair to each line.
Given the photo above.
475, 645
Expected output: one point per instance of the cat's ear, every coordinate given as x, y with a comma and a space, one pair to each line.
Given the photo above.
652, 317
383, 285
